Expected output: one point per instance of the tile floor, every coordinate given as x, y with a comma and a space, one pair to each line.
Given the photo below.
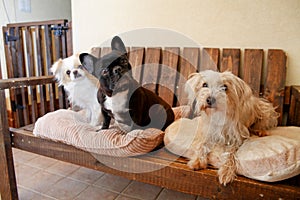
39, 177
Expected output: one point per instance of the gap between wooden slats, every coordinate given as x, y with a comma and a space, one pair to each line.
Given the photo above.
230, 61
253, 63
275, 80
168, 74
210, 59
151, 68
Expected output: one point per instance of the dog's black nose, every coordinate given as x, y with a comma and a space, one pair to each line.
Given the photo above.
210, 101
75, 72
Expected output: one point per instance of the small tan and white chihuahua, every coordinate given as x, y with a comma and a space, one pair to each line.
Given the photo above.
80, 85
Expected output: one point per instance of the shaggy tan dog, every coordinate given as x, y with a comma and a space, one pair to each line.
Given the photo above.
228, 112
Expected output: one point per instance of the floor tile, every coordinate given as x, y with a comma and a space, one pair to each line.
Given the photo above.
24, 173
142, 190
171, 194
41, 162
112, 182
23, 156
96, 193
42, 181
66, 189
62, 168
86, 175
25, 194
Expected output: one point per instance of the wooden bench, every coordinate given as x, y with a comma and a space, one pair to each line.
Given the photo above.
163, 168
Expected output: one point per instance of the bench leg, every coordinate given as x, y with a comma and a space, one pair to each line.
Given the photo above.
8, 186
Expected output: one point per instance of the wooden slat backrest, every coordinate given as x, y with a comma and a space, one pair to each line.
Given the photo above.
149, 68
33, 50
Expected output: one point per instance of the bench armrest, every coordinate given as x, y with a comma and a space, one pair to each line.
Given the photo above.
26, 81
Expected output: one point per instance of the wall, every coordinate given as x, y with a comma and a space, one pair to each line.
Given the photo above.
210, 23
40, 10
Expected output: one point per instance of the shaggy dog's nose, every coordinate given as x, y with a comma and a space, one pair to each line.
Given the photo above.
210, 101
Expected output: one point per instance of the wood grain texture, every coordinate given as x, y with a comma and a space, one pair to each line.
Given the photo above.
8, 185
210, 59
160, 171
253, 63
151, 68
168, 74
275, 81
231, 61
162, 166
294, 111
188, 64
136, 59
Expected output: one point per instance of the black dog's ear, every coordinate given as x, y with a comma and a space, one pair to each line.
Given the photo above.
87, 62
118, 45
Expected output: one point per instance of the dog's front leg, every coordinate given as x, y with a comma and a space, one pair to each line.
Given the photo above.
107, 118
227, 172
199, 159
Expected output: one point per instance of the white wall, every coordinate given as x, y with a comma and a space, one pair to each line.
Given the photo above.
40, 10
211, 23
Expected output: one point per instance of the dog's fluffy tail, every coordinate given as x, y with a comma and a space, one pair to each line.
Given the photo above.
266, 117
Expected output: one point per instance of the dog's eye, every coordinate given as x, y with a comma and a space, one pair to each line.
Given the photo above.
68, 72
205, 85
224, 88
105, 72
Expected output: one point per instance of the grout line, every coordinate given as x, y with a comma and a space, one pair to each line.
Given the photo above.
36, 192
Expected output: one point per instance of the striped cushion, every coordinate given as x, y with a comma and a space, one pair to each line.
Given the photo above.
72, 128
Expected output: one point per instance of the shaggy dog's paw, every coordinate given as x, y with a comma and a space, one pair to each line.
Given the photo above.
197, 163
226, 175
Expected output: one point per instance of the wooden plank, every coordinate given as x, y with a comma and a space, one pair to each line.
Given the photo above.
22, 73
69, 39
105, 50
8, 185
11, 74
210, 59
231, 61
188, 64
253, 62
136, 59
151, 68
47, 58
294, 111
159, 172
189, 61
26, 81
95, 51
168, 74
37, 23
31, 72
275, 80
39, 68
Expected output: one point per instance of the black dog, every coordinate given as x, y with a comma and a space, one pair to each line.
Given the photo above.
120, 95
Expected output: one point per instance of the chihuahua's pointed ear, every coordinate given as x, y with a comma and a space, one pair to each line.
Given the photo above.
118, 45
87, 61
